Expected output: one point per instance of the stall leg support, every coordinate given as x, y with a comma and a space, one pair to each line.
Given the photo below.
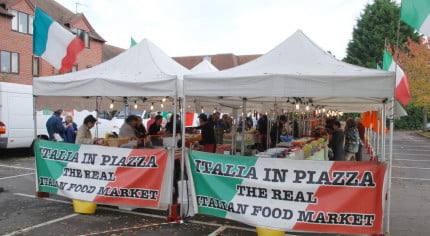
174, 212
42, 194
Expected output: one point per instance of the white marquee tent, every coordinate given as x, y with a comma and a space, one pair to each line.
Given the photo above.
204, 66
141, 71
297, 68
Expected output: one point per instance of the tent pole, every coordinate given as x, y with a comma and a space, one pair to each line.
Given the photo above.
234, 132
175, 98
97, 115
173, 149
34, 116
378, 137
383, 157
242, 144
184, 108
390, 163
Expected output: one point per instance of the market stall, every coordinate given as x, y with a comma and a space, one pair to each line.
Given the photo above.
140, 76
295, 70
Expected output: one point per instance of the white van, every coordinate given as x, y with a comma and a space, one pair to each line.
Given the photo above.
16, 117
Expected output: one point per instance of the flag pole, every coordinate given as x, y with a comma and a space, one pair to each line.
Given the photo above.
390, 158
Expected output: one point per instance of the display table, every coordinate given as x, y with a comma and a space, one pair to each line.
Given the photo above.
317, 156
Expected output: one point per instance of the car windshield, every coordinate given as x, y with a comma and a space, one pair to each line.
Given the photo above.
134, 112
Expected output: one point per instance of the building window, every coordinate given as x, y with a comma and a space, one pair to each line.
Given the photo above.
14, 19
9, 62
22, 22
82, 34
36, 66
75, 68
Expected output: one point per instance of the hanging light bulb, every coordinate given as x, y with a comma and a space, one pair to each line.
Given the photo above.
323, 109
135, 105
163, 100
307, 108
162, 105
111, 105
189, 106
203, 111
152, 106
297, 106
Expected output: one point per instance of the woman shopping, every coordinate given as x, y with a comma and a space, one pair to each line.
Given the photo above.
71, 130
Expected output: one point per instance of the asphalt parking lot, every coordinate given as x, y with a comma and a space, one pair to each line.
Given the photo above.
21, 213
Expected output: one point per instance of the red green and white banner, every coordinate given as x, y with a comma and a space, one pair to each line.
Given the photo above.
416, 13
289, 195
102, 174
402, 83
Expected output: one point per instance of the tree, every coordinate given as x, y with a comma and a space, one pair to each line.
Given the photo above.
414, 58
377, 25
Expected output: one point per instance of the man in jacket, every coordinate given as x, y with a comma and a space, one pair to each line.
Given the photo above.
336, 142
54, 125
208, 134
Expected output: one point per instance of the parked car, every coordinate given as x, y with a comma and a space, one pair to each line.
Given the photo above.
428, 127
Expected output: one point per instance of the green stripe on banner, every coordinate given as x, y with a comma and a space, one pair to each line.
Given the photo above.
208, 171
49, 168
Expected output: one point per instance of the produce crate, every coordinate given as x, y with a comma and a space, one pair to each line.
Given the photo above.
117, 142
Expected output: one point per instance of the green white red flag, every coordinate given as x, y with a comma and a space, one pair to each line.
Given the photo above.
416, 13
402, 83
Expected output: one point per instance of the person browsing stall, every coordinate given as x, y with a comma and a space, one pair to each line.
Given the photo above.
155, 131
352, 140
71, 130
54, 125
277, 129
336, 142
128, 128
208, 134
140, 128
84, 135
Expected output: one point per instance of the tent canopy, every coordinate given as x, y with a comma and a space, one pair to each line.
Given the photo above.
141, 71
295, 68
204, 66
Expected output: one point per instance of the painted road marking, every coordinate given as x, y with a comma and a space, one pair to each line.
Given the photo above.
15, 176
408, 160
17, 167
143, 214
409, 154
411, 167
410, 178
41, 225
218, 231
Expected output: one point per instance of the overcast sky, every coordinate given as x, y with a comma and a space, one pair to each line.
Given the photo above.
200, 27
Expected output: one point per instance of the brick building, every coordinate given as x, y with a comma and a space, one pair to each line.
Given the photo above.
17, 62
220, 61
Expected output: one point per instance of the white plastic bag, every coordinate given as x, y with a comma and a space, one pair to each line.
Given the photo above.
58, 138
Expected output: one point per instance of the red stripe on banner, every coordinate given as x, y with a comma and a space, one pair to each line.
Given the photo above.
73, 49
139, 178
361, 202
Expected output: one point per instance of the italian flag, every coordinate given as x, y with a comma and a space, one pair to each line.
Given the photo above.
416, 13
54, 43
402, 82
